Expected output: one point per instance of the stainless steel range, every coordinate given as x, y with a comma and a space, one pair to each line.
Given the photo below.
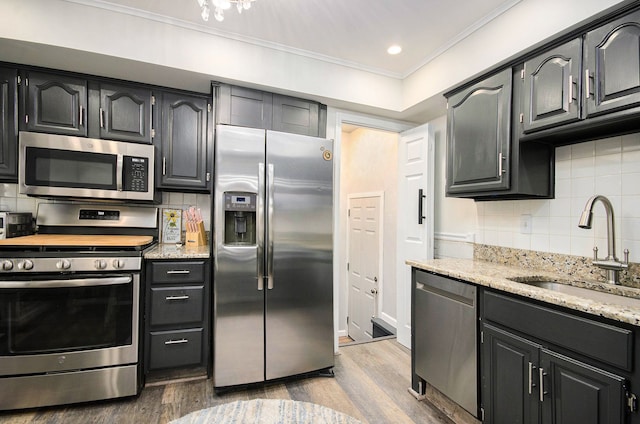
69, 305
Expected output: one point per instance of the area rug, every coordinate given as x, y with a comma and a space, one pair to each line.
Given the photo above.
267, 411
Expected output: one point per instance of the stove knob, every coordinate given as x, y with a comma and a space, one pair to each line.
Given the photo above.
63, 264
118, 263
100, 264
27, 264
7, 265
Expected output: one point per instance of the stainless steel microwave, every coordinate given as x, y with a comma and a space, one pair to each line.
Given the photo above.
75, 167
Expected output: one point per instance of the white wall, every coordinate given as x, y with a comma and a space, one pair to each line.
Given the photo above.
369, 164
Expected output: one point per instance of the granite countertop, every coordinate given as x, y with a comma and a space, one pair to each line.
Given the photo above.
500, 277
174, 251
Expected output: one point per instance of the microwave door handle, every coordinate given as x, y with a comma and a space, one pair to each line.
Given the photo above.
119, 168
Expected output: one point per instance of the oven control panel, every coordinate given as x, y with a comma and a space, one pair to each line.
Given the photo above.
72, 264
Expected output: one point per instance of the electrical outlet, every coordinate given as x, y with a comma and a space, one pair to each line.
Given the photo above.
525, 224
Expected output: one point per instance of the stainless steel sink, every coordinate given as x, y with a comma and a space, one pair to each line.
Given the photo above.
584, 292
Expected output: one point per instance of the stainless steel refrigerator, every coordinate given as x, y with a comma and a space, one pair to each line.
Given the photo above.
273, 282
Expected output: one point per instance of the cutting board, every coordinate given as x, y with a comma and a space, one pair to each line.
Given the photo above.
77, 240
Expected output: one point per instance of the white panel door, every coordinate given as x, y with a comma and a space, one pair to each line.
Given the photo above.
415, 235
364, 264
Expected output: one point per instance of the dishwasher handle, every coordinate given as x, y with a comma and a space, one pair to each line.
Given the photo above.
450, 289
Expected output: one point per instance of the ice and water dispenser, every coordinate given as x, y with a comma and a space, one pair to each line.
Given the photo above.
239, 218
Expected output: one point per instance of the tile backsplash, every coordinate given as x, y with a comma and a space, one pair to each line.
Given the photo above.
11, 200
610, 167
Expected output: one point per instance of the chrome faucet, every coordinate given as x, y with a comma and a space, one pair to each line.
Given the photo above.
610, 263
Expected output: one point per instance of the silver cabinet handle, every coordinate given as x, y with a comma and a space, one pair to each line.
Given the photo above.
183, 297
81, 116
175, 342
570, 89
542, 392
178, 271
587, 83
101, 118
531, 385
501, 169
164, 165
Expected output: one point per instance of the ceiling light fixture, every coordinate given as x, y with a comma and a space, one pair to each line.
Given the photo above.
395, 49
219, 6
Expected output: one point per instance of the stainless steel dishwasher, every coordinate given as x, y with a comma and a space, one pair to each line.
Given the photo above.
445, 337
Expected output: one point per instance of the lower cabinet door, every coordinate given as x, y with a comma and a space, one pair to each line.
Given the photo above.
175, 348
509, 378
579, 393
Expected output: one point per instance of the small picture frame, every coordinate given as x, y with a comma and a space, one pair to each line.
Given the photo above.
171, 225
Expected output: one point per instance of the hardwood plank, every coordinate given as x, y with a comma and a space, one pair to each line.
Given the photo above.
370, 384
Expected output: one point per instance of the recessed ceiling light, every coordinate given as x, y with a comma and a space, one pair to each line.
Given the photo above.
395, 49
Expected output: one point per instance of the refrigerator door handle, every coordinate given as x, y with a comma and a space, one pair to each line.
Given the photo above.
270, 176
260, 225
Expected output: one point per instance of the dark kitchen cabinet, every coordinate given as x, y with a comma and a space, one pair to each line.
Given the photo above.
186, 134
485, 158
571, 391
121, 112
54, 104
522, 382
552, 87
479, 136
8, 124
259, 109
244, 107
295, 116
612, 66
509, 377
177, 316
542, 365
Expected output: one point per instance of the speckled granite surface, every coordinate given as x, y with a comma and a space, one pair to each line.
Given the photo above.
172, 251
500, 277
574, 267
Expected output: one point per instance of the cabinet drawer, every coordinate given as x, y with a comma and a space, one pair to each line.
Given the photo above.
177, 305
175, 348
603, 342
178, 272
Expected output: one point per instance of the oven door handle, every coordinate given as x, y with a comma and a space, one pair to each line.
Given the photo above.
80, 282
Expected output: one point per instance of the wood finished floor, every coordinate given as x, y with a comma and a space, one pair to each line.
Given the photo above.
370, 384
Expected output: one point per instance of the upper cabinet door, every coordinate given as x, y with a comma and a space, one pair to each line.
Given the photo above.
55, 104
125, 113
186, 127
8, 124
612, 66
478, 136
295, 116
552, 87
244, 107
